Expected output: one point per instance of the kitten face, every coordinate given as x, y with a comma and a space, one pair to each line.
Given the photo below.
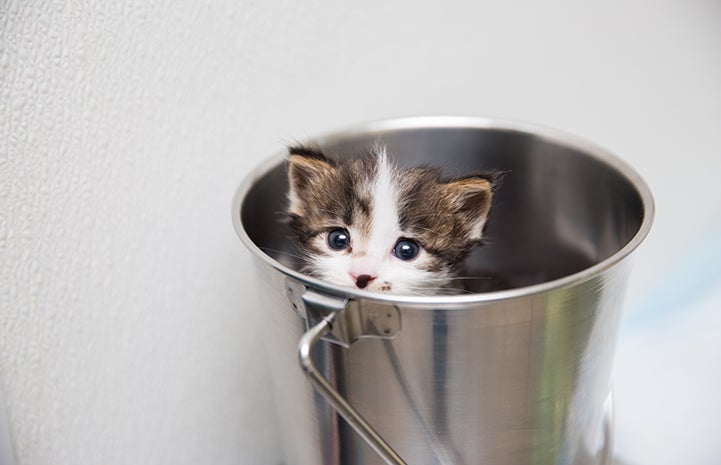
364, 223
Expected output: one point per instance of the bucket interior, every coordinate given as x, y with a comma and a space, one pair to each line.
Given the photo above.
560, 208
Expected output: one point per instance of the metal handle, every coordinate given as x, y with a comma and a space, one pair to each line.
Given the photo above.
354, 419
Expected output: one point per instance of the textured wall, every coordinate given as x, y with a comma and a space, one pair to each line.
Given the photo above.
127, 333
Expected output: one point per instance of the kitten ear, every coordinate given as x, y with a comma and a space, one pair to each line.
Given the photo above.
471, 196
306, 166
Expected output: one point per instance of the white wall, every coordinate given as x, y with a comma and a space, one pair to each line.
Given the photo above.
127, 330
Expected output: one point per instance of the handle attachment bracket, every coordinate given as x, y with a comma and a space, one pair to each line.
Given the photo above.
353, 319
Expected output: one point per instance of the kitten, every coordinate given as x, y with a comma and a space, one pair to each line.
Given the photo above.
364, 223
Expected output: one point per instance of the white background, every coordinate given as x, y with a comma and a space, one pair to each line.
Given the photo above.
128, 333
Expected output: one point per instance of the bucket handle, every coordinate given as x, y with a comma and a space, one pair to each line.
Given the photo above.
332, 319
354, 419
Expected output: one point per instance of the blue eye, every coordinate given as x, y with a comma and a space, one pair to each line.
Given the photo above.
406, 249
338, 239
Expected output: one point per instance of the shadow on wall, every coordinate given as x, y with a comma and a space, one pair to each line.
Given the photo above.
6, 452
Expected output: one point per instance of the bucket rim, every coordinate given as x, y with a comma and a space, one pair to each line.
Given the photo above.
460, 122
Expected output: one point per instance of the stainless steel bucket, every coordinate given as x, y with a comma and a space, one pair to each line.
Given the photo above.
517, 372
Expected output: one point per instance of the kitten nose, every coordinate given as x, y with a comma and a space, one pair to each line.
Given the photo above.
363, 270
363, 280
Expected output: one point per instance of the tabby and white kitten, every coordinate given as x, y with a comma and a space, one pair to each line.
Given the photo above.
365, 223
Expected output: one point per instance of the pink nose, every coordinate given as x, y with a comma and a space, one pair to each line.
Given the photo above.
362, 280
363, 270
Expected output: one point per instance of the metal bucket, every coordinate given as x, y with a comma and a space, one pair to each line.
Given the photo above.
517, 372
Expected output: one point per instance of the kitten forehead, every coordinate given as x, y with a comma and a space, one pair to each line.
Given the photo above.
384, 223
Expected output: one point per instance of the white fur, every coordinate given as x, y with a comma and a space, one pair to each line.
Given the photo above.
477, 228
294, 202
385, 222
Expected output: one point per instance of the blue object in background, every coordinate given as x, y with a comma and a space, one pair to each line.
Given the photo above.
667, 373
695, 276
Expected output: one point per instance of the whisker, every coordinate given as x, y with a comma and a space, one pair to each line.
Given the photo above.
469, 278
282, 252
440, 290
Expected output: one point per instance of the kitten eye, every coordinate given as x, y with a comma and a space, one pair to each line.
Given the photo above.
338, 239
406, 249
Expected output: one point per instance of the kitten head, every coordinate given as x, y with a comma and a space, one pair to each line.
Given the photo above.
367, 224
